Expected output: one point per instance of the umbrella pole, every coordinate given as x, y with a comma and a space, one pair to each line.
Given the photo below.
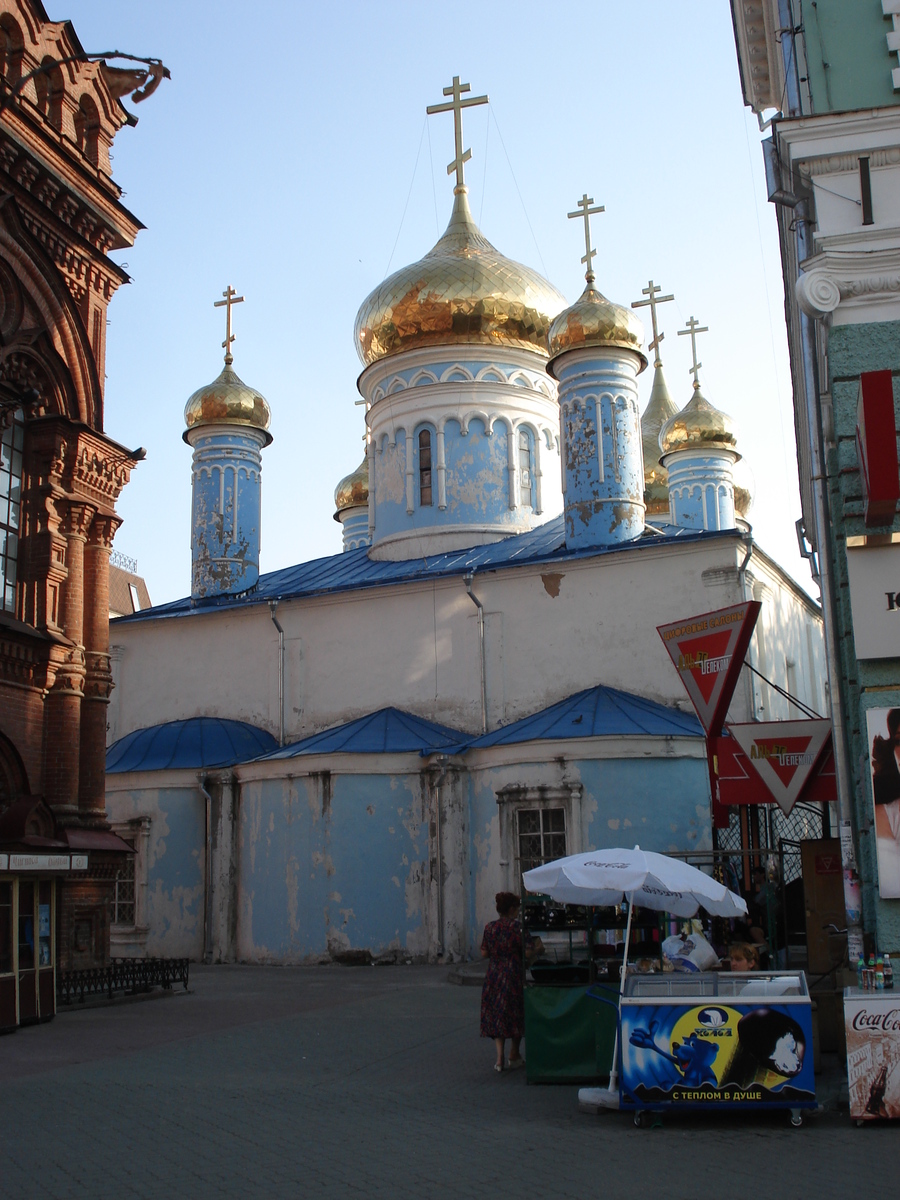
614, 1072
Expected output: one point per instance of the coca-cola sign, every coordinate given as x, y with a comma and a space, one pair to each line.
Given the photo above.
887, 1020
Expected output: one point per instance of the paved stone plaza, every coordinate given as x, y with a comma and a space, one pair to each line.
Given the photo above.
358, 1081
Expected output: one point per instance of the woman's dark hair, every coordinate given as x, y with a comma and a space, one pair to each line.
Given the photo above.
506, 902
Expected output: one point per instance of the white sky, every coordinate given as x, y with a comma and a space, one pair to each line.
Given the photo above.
281, 156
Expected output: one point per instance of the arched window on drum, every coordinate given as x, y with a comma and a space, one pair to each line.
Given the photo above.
425, 490
526, 467
12, 443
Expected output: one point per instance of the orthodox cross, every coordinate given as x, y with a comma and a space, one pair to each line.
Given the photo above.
231, 297
653, 299
693, 328
456, 105
584, 210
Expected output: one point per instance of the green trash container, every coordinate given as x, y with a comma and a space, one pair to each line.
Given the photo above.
569, 1038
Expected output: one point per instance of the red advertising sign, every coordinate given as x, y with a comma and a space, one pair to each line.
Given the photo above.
708, 653
776, 762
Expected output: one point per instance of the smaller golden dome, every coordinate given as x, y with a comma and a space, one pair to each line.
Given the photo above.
699, 426
744, 487
353, 490
659, 409
595, 321
227, 401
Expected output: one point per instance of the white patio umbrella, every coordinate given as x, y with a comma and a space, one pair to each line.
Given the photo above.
646, 880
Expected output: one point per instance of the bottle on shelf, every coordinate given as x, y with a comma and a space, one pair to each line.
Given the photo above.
879, 974
870, 973
888, 974
861, 973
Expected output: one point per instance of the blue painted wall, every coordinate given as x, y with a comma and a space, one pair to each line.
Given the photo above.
659, 804
329, 863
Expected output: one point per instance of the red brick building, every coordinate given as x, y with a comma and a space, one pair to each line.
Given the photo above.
60, 476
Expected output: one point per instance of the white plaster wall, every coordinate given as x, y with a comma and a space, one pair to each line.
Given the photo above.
551, 630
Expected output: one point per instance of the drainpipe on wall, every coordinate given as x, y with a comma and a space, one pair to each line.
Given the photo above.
207, 873
467, 580
273, 609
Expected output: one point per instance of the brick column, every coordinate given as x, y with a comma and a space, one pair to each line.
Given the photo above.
98, 673
62, 707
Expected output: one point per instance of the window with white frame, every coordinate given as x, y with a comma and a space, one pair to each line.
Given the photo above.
12, 443
537, 825
526, 473
540, 836
122, 903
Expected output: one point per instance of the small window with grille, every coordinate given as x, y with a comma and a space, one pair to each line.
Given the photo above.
12, 443
425, 468
541, 836
123, 895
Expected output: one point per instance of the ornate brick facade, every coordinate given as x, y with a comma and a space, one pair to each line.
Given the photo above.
60, 215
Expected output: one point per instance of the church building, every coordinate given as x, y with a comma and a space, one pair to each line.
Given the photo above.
347, 758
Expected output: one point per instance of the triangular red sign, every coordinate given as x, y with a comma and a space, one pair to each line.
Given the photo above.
708, 653
783, 754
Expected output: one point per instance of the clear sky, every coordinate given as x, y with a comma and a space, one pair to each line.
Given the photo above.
290, 156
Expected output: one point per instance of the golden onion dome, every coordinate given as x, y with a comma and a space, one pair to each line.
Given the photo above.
353, 490
462, 292
659, 409
228, 401
699, 426
595, 321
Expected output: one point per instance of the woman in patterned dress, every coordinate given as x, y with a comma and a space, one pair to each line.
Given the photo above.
503, 994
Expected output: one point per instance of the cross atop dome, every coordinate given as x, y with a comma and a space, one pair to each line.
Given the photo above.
693, 328
584, 210
456, 105
231, 297
650, 291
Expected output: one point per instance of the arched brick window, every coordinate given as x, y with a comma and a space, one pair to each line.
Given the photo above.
87, 129
50, 91
11, 48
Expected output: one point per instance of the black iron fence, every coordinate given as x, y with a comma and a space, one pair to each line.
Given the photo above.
127, 975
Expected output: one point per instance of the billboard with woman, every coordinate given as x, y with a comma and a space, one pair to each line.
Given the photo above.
884, 742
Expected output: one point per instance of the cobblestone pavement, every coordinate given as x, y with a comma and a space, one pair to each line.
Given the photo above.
343, 1082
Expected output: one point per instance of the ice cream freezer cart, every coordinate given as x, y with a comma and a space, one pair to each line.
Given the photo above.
715, 1040
872, 1022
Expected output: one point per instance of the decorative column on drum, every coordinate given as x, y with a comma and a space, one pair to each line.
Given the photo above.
98, 681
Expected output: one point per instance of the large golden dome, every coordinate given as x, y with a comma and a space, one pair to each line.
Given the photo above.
228, 401
595, 321
353, 490
462, 292
699, 426
659, 409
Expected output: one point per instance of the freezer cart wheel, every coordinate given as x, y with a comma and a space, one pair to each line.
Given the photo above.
796, 1118
638, 1120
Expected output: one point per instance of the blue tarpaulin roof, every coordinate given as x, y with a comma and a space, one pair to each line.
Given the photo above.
354, 569
198, 742
596, 712
388, 731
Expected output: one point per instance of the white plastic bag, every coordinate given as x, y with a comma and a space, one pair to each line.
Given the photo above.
691, 953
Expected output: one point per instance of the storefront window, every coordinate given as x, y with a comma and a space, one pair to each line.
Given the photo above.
12, 442
26, 926
45, 957
6, 930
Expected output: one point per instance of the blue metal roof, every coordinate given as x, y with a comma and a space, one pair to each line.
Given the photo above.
596, 712
354, 569
198, 742
388, 731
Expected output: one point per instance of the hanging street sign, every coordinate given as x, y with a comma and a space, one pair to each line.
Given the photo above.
783, 755
708, 653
